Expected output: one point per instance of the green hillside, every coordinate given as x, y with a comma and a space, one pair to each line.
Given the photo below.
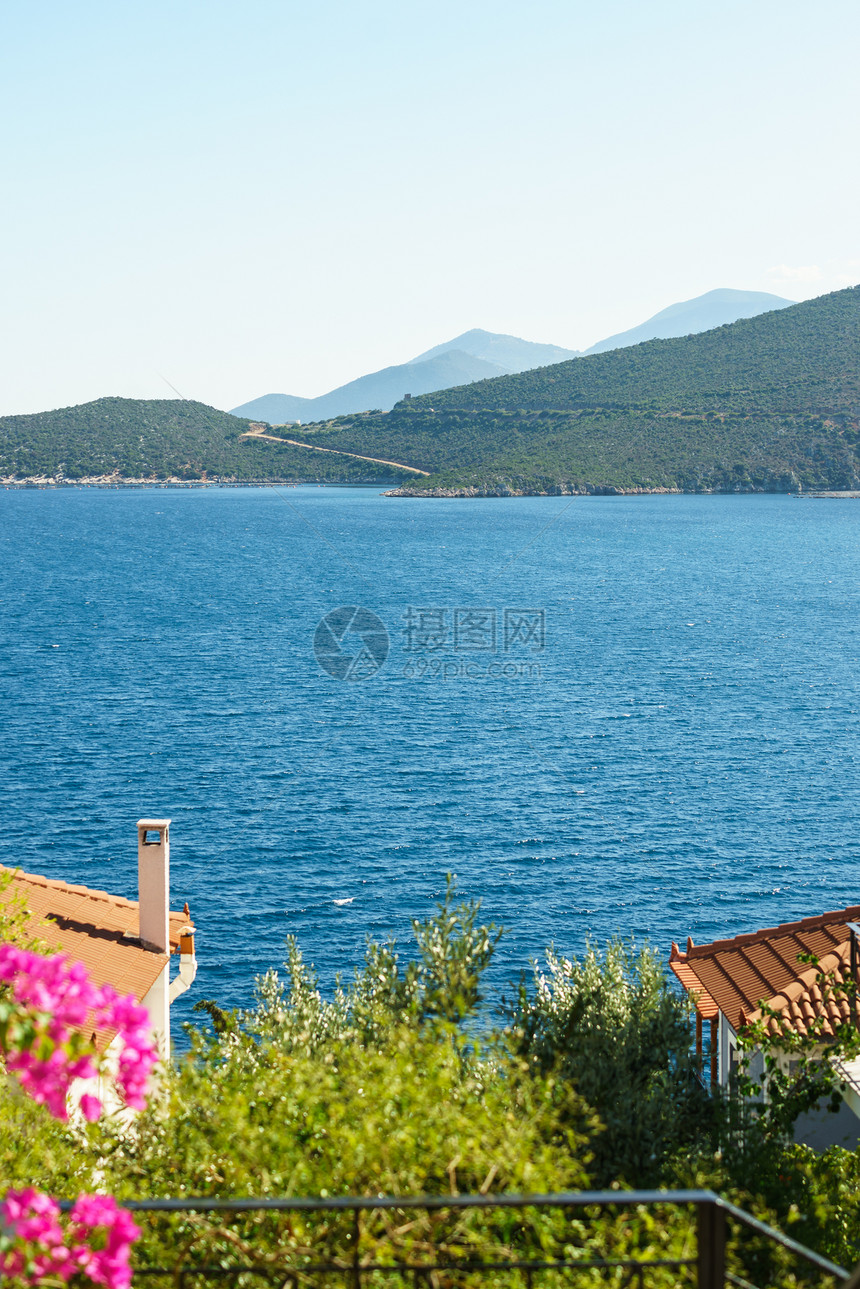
770, 403
159, 439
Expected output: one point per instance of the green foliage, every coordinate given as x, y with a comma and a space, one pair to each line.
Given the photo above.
782, 1076
454, 950
596, 452
383, 1074
419, 1113
819, 1196
160, 439
15, 916
797, 1071
393, 1086
38, 1150
377, 1091
749, 1154
612, 1027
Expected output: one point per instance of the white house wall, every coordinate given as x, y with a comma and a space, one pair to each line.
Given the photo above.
157, 1003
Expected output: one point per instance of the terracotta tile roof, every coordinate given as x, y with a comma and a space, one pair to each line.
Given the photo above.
737, 976
95, 928
817, 995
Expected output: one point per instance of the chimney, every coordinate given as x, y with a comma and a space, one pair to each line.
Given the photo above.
153, 883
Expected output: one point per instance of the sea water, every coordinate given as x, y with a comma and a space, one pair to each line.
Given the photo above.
630, 716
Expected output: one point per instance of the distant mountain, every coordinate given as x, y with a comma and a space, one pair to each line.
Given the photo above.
379, 390
277, 409
479, 355
764, 404
713, 309
507, 352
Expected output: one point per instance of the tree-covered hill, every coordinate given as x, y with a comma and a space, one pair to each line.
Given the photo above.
159, 439
500, 453
770, 403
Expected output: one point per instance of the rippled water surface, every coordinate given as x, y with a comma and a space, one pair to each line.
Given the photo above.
679, 758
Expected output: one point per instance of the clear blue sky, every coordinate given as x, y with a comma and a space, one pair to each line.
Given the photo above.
258, 196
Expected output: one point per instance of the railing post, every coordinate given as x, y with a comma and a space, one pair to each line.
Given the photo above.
356, 1257
712, 1246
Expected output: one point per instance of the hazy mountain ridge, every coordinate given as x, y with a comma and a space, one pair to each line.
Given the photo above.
788, 358
508, 352
380, 389
478, 355
703, 313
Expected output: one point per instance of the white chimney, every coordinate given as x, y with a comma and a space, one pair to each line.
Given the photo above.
153, 882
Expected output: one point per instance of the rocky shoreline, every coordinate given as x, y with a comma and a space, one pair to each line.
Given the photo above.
119, 481
506, 490
463, 492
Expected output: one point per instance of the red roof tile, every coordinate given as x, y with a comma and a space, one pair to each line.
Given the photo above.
95, 928
740, 975
816, 997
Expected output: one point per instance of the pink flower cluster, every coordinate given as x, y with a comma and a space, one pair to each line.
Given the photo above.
96, 1243
54, 1001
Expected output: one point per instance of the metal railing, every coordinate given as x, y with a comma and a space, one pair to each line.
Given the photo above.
565, 1239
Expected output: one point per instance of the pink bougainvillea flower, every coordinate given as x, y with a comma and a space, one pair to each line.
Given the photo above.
91, 1107
109, 1263
41, 1039
96, 1244
56, 1000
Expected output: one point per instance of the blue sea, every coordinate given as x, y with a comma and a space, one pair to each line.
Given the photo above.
626, 715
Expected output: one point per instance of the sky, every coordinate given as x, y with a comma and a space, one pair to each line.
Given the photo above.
232, 199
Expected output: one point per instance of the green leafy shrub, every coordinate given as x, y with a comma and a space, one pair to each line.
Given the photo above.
611, 1026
